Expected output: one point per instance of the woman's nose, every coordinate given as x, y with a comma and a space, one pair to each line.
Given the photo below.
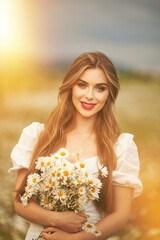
89, 94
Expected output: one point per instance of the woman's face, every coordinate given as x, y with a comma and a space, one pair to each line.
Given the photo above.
90, 92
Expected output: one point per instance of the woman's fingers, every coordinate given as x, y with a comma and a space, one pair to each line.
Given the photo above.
71, 222
83, 215
47, 236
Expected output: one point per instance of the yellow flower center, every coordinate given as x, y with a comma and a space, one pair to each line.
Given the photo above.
42, 164
64, 165
60, 194
66, 173
86, 174
26, 193
89, 226
53, 174
82, 165
93, 190
63, 153
90, 181
79, 181
46, 202
53, 183
48, 163
34, 180
58, 174
30, 186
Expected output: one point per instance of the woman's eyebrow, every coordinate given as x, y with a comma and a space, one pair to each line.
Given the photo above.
81, 80
98, 84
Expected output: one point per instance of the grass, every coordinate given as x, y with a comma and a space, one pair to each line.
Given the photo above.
138, 112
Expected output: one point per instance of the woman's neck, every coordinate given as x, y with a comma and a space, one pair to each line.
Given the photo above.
83, 125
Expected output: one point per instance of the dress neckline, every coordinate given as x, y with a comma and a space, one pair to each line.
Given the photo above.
85, 159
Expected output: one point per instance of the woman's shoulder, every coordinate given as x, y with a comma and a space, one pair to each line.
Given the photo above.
126, 151
124, 137
30, 134
35, 128
128, 166
123, 142
22, 152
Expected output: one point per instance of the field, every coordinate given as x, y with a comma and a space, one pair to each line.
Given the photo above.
138, 111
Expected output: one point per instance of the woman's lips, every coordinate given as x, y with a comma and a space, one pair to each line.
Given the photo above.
87, 106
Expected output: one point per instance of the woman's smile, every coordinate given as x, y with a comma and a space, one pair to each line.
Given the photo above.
88, 106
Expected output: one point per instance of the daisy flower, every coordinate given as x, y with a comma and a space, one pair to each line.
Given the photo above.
81, 191
49, 161
82, 165
24, 200
94, 192
33, 179
60, 195
56, 157
89, 227
103, 171
63, 152
45, 202
97, 233
29, 190
40, 163
97, 183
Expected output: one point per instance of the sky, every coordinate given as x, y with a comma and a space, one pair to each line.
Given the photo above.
127, 31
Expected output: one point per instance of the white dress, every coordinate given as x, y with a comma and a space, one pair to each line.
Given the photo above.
125, 174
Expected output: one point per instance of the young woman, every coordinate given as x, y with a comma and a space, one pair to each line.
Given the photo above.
83, 122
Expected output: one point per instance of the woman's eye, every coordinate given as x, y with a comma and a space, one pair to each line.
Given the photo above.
82, 85
100, 89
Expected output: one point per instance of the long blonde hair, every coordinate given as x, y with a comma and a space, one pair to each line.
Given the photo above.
107, 130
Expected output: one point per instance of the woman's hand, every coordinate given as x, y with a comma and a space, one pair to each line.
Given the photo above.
52, 233
70, 221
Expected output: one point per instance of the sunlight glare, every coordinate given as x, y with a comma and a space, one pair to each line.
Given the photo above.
7, 24
15, 27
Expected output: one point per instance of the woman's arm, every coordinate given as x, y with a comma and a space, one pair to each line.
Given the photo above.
67, 221
109, 225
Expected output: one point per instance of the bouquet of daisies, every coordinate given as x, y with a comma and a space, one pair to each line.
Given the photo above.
61, 185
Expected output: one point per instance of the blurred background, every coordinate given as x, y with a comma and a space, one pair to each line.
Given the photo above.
38, 41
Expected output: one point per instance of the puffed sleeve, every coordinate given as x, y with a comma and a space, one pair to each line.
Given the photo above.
127, 170
22, 152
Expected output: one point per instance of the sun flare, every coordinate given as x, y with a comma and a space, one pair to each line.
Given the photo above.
16, 35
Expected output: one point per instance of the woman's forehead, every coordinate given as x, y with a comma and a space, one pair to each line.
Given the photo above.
93, 75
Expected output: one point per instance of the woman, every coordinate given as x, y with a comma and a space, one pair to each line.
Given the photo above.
83, 122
